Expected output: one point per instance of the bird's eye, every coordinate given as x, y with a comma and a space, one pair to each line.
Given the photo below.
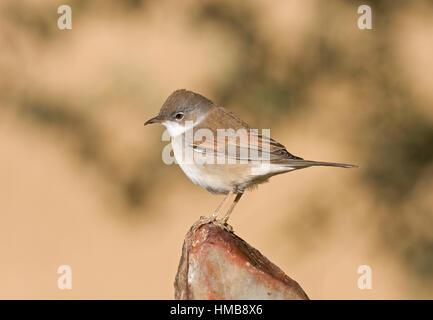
179, 116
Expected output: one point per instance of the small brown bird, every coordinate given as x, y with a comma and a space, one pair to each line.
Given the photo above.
203, 130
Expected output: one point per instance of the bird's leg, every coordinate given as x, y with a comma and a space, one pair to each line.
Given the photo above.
214, 215
218, 209
226, 217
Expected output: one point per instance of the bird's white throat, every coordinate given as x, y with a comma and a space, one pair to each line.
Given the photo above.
174, 129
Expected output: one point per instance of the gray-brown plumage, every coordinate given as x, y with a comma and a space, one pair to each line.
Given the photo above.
185, 114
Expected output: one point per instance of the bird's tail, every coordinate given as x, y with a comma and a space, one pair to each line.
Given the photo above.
301, 163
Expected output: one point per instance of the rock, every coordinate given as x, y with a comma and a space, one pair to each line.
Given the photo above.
217, 264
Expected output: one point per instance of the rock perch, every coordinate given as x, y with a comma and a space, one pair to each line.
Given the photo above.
217, 264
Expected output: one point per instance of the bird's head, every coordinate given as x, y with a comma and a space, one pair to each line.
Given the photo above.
182, 108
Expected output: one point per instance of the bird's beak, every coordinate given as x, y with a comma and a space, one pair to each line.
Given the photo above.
153, 120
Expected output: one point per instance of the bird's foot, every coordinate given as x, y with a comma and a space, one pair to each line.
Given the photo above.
222, 223
202, 221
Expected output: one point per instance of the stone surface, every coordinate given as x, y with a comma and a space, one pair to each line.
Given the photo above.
217, 264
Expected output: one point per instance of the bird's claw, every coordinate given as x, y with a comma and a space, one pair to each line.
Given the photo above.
212, 219
202, 221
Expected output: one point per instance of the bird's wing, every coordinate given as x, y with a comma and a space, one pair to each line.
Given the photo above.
243, 145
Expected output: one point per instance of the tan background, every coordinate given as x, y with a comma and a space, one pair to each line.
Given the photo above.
82, 182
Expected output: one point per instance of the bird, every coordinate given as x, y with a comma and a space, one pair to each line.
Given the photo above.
253, 159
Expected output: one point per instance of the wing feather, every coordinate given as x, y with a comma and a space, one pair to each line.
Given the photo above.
251, 147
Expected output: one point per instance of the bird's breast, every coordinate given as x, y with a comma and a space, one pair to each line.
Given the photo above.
201, 174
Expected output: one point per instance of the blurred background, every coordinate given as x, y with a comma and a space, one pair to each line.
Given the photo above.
82, 182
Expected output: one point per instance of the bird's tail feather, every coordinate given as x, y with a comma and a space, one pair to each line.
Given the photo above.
300, 163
